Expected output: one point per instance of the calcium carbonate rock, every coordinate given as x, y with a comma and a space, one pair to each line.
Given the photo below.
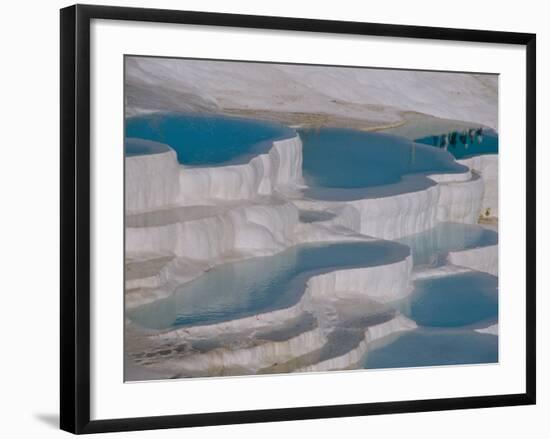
281, 166
480, 259
384, 283
252, 229
487, 167
151, 181
460, 201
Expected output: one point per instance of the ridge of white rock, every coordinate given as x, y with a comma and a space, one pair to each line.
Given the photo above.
493, 330
445, 270
254, 229
250, 359
480, 259
262, 175
383, 283
151, 181
487, 167
398, 324
156, 181
456, 198
194, 85
460, 201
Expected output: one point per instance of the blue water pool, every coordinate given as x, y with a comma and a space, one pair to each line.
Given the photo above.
426, 347
430, 248
453, 301
464, 144
260, 284
208, 139
447, 310
348, 164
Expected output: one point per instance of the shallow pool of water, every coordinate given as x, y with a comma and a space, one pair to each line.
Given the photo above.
453, 301
344, 164
431, 247
464, 144
425, 347
261, 284
208, 139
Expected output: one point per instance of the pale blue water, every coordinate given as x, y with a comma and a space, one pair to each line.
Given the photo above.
207, 139
428, 347
463, 145
451, 301
447, 309
344, 164
430, 248
245, 288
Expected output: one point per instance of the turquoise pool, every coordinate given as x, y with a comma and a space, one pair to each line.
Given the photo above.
344, 164
261, 284
430, 347
453, 301
447, 310
207, 139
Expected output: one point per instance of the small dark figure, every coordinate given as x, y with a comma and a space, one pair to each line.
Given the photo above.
452, 138
479, 135
443, 141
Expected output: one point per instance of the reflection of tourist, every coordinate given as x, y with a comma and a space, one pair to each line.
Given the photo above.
479, 135
452, 138
443, 142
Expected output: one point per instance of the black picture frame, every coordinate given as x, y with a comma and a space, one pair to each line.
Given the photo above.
75, 217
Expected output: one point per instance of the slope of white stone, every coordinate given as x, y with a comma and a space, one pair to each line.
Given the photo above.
480, 259
253, 229
254, 322
397, 324
353, 357
487, 167
492, 330
399, 215
347, 360
444, 270
151, 181
383, 283
460, 201
377, 95
157, 180
281, 166
408, 213
264, 354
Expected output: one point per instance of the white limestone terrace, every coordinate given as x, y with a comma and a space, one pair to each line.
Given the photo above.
186, 241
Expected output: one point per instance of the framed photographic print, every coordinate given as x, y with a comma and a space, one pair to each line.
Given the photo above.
274, 218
